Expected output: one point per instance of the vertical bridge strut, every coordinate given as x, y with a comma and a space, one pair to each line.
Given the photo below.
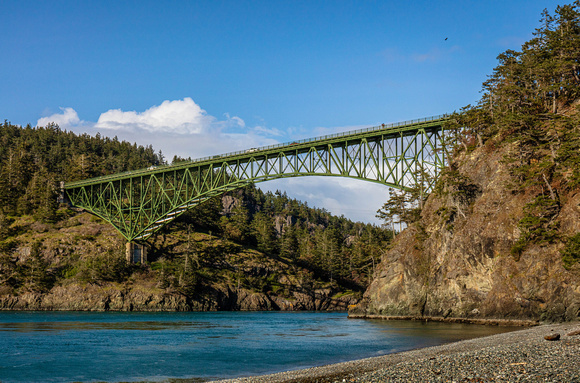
138, 203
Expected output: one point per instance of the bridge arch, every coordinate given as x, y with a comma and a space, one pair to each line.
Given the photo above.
138, 203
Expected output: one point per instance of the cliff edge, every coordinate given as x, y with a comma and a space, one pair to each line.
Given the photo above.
499, 236
458, 260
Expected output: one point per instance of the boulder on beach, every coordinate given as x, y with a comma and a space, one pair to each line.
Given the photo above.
555, 336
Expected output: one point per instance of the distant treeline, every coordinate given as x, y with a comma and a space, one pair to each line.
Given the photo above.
33, 161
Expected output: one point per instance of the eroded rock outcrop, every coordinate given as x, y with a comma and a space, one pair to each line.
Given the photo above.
117, 297
457, 261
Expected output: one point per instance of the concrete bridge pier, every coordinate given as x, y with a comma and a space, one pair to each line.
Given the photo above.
135, 253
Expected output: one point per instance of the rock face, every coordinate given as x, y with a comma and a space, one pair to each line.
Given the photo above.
456, 261
117, 297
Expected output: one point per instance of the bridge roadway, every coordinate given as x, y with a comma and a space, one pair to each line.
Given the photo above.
138, 203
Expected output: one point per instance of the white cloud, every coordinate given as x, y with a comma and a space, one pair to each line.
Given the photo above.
178, 116
434, 54
178, 127
236, 121
65, 120
357, 200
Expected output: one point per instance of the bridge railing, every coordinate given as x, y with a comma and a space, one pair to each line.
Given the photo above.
264, 148
329, 136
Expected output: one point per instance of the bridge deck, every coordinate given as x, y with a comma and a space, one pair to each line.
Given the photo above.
305, 144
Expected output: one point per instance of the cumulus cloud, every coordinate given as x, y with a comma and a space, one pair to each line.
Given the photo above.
67, 119
178, 127
178, 116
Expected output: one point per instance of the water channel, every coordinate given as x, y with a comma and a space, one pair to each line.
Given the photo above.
199, 346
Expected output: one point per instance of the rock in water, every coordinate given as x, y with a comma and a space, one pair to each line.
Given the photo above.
555, 336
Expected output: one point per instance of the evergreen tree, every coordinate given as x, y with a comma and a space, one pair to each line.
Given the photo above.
289, 246
264, 233
236, 227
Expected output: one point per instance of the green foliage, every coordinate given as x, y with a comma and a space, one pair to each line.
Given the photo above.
237, 226
468, 129
189, 279
456, 185
263, 231
33, 161
109, 265
289, 245
34, 271
205, 216
571, 253
527, 87
5, 230
568, 153
538, 224
10, 271
405, 206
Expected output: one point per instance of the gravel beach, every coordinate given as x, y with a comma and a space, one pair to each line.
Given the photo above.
518, 356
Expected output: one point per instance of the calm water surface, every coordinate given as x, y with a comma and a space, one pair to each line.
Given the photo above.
196, 347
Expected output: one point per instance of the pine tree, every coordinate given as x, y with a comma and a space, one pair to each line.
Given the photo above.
289, 246
264, 233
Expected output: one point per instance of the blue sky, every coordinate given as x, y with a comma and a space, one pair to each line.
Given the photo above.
197, 78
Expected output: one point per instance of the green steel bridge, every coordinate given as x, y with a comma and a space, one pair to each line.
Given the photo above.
138, 203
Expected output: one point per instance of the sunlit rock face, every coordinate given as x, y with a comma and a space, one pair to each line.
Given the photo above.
457, 261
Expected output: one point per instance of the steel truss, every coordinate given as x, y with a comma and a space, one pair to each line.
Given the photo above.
139, 203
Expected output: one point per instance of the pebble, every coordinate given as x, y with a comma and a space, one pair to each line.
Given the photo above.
573, 333
555, 336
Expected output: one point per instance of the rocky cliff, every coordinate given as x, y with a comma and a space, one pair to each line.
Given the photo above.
144, 297
499, 237
462, 259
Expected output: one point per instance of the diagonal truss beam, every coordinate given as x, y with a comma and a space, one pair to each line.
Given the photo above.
140, 202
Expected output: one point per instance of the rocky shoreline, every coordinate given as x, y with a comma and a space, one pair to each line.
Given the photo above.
481, 321
149, 297
523, 355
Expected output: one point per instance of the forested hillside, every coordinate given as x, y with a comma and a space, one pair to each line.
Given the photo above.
500, 236
34, 160
244, 250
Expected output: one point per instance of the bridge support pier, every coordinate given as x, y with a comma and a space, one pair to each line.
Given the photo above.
135, 253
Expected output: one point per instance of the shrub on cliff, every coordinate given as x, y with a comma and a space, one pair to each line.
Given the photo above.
530, 102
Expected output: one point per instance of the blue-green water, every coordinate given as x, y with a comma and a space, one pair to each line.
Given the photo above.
114, 347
